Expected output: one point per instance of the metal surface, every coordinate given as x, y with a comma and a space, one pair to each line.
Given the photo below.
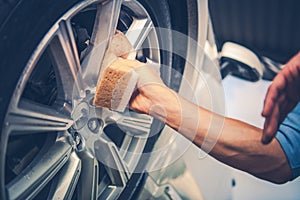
66, 180
39, 172
76, 124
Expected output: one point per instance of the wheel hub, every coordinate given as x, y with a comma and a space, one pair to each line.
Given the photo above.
88, 122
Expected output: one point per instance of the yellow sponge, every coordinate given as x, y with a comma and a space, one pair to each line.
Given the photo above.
117, 84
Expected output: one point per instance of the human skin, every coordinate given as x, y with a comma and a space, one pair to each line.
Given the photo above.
282, 96
235, 143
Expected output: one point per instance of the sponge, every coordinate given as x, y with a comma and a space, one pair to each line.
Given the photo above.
117, 79
116, 85
119, 46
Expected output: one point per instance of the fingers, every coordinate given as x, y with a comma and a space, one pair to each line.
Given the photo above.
139, 103
280, 98
273, 94
270, 100
271, 110
271, 125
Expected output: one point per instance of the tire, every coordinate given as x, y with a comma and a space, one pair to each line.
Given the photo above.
25, 28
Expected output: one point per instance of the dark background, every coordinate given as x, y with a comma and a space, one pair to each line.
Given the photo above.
269, 27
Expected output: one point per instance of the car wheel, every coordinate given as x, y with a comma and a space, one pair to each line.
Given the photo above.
54, 143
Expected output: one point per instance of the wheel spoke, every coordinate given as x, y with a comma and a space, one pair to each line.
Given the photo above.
63, 52
134, 152
39, 172
65, 183
138, 124
125, 145
88, 180
29, 117
104, 28
138, 32
107, 153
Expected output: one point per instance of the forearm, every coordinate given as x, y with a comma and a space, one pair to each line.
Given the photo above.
239, 146
230, 141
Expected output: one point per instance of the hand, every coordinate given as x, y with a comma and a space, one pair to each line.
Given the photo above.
153, 97
282, 96
150, 89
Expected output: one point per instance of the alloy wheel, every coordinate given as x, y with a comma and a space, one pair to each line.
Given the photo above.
54, 138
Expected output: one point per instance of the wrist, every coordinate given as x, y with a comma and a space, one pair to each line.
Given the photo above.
166, 107
179, 114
